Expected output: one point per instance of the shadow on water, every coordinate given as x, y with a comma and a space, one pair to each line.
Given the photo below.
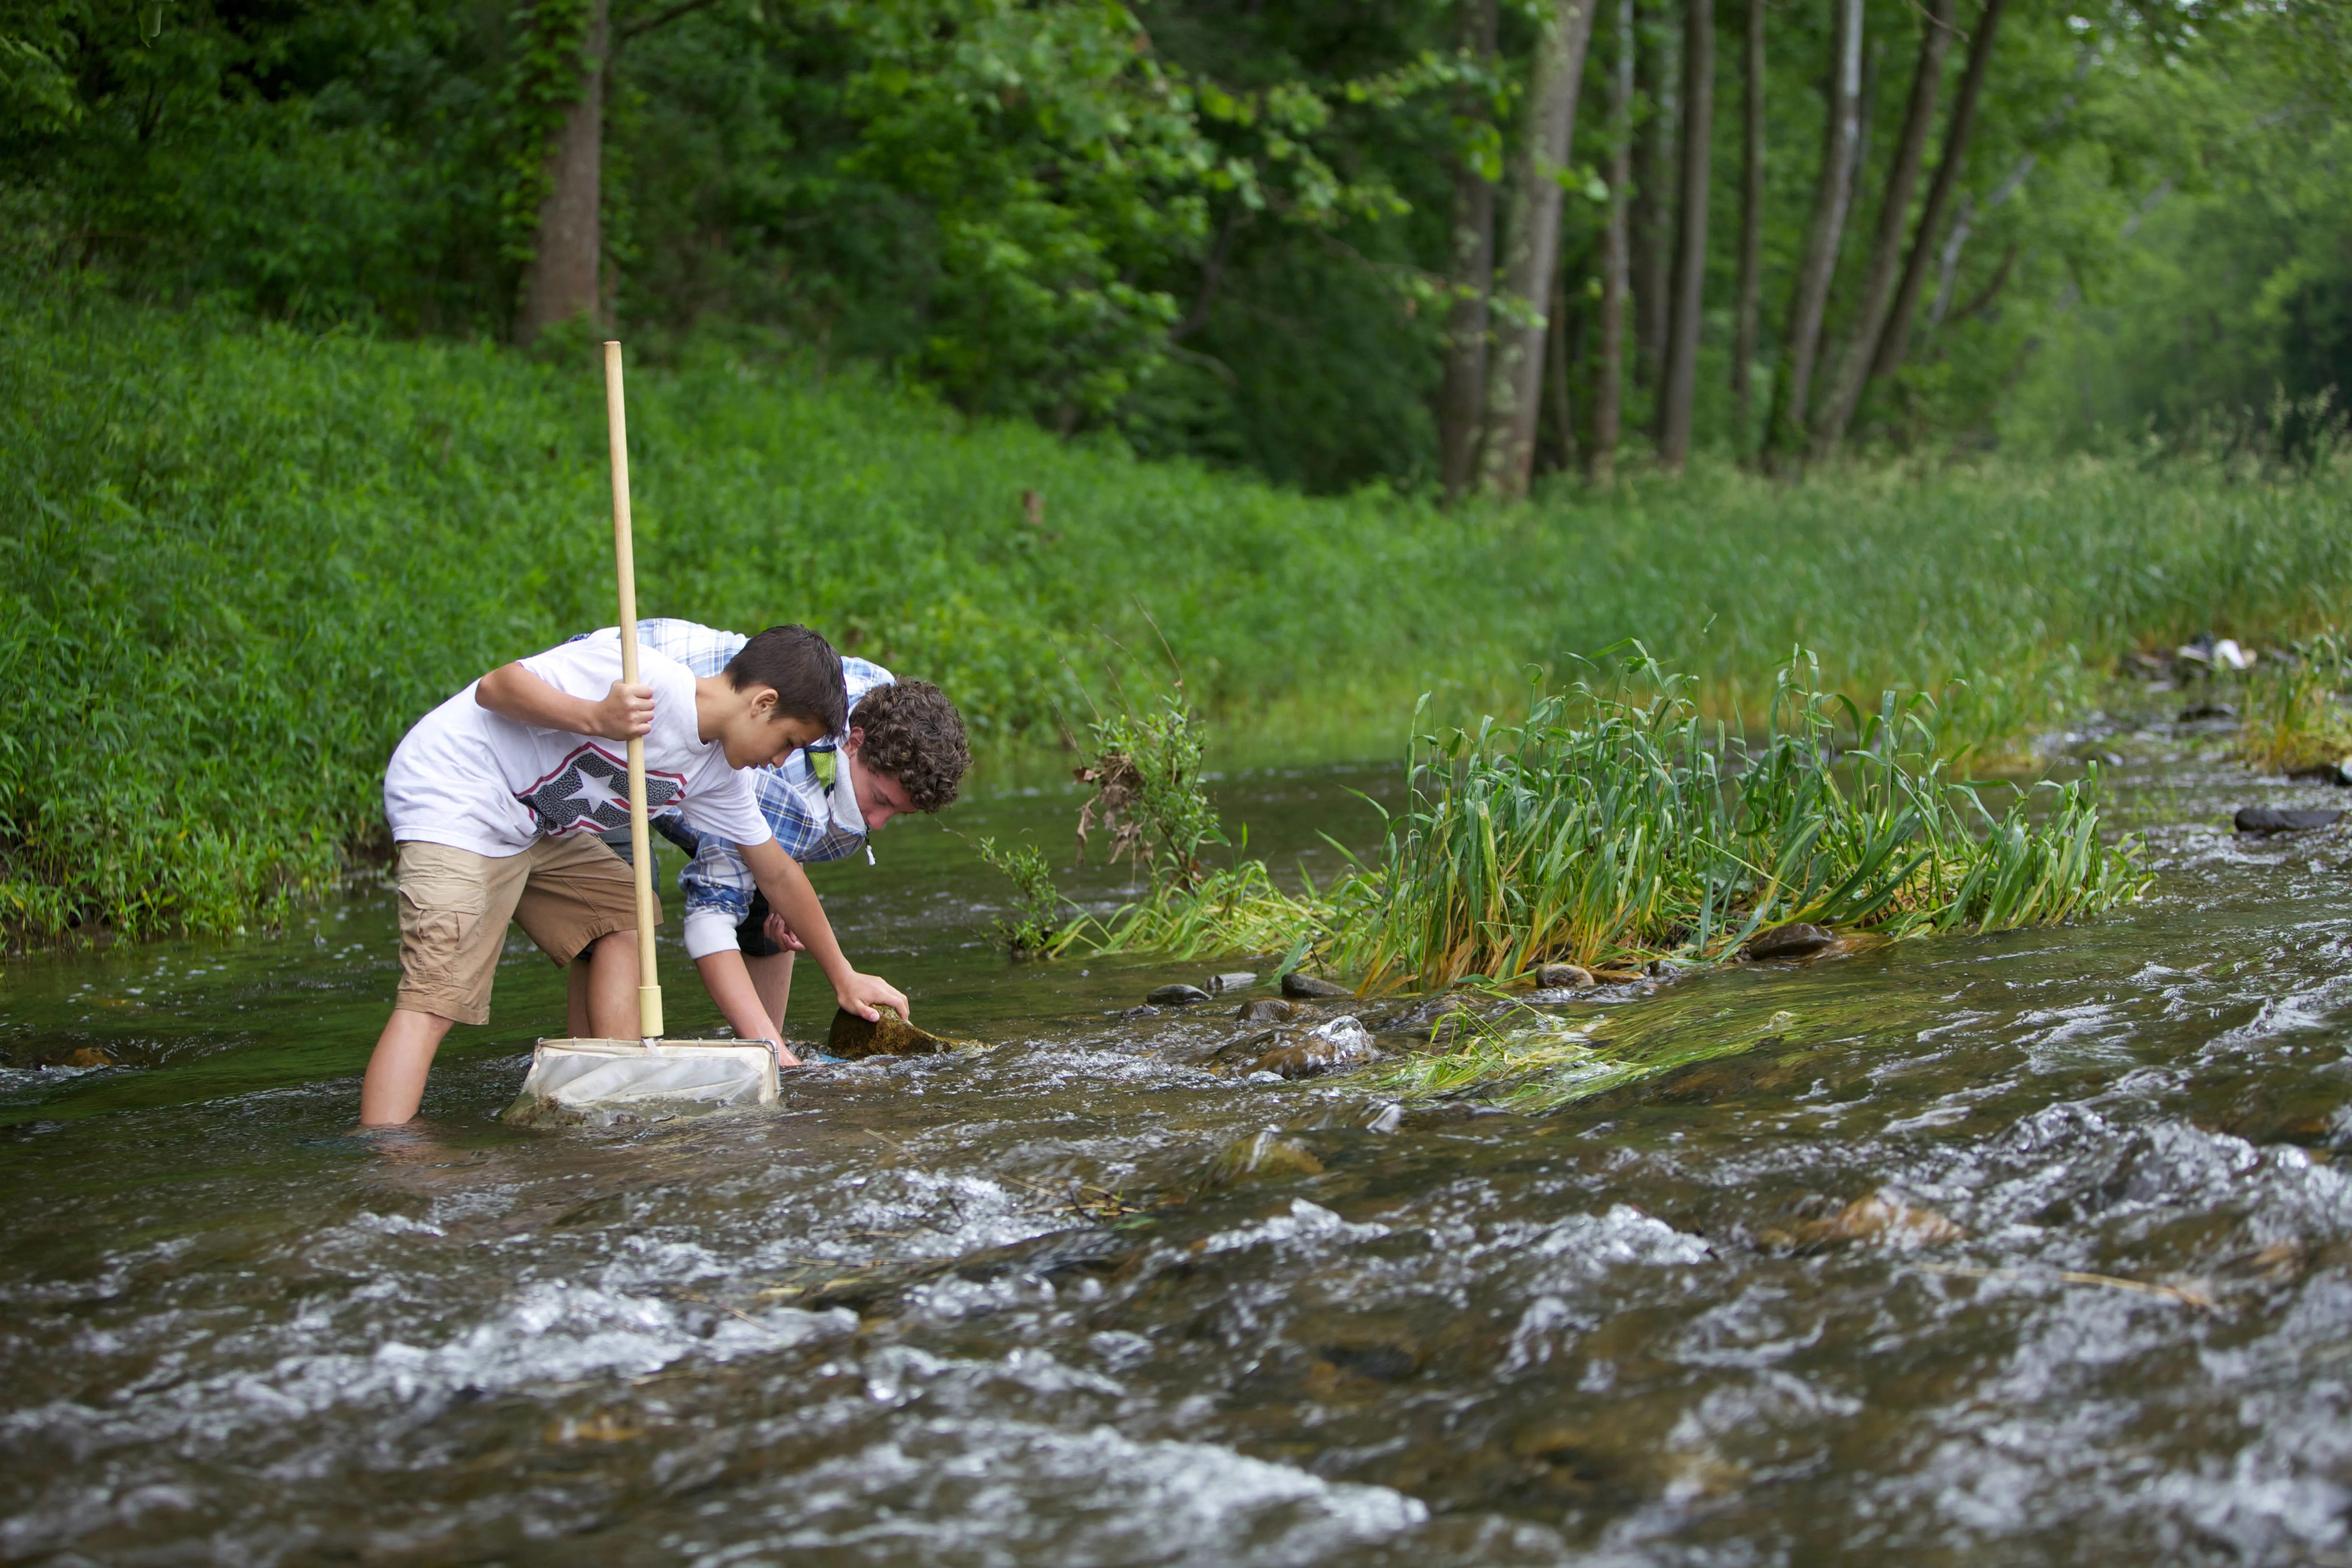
2027, 1247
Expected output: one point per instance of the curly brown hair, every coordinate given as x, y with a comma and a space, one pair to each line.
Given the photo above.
914, 734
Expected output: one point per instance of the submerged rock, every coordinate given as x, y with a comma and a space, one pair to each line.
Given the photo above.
1307, 987
888, 1035
1795, 940
1178, 996
1267, 1153
1341, 1043
2268, 819
2322, 772
1240, 979
1265, 1010
1564, 976
1882, 1216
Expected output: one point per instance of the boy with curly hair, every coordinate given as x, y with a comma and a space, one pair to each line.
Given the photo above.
901, 749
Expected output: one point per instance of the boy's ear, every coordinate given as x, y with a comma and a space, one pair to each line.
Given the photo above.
763, 703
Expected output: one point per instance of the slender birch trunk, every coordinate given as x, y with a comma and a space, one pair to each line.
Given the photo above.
1462, 397
1681, 378
1609, 385
1894, 337
1530, 251
1886, 246
1832, 194
1751, 224
560, 282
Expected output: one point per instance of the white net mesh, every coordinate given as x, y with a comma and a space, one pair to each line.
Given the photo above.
594, 1081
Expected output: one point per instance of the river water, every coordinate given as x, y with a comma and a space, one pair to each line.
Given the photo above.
2020, 1248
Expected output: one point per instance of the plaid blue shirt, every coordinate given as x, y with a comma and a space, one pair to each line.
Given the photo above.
793, 797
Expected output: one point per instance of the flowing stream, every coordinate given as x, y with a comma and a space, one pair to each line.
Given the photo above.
1067, 1301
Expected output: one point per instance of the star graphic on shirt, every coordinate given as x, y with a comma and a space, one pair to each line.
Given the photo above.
590, 793
594, 794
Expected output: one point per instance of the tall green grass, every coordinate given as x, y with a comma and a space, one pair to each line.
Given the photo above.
236, 562
1616, 821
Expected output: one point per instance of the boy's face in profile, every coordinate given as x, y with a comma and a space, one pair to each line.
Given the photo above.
760, 736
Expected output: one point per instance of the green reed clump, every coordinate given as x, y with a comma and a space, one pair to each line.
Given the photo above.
1615, 821
2296, 717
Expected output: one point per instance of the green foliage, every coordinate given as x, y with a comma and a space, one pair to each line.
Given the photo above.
1614, 823
1149, 793
2296, 717
1231, 909
543, 83
240, 562
1038, 926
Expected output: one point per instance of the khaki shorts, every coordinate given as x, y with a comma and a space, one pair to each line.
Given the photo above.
454, 905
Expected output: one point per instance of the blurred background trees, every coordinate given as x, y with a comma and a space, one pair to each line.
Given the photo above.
1466, 243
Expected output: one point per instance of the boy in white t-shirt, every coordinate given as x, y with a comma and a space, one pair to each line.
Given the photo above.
496, 799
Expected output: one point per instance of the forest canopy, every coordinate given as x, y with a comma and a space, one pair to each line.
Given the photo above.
1388, 240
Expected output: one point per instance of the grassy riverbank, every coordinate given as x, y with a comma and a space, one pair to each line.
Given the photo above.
241, 560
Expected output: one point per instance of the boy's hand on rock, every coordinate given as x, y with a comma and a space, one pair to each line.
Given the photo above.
625, 713
862, 993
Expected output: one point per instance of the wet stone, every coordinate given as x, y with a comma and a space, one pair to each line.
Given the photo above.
2322, 772
1265, 1010
1341, 1043
889, 1036
1178, 996
2269, 819
1795, 940
1308, 988
1564, 977
1239, 979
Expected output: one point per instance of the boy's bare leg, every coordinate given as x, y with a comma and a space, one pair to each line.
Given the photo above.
575, 996
395, 1074
773, 976
612, 987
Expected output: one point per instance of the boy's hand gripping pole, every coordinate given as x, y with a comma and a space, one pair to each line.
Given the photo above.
641, 861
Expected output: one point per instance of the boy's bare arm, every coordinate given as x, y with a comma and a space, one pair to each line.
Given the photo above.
512, 692
789, 894
728, 981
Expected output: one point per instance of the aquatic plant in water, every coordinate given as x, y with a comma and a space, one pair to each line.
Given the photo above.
1615, 822
2295, 709
1037, 927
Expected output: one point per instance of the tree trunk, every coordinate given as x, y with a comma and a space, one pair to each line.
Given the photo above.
1887, 245
1460, 400
1681, 379
560, 282
1653, 212
1831, 194
1531, 250
1559, 347
1751, 224
1894, 337
1609, 385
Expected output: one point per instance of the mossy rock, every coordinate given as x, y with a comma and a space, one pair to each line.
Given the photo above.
889, 1036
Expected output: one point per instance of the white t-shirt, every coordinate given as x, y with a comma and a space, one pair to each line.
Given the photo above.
469, 778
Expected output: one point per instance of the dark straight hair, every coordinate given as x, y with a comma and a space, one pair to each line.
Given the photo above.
802, 668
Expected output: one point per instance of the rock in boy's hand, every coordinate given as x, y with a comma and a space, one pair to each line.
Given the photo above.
625, 713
